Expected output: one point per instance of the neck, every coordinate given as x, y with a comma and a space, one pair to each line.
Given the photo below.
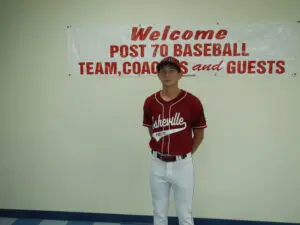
170, 92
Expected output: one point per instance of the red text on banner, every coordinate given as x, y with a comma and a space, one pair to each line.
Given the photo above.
100, 68
138, 33
127, 50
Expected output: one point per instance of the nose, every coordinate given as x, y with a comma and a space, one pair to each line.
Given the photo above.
167, 73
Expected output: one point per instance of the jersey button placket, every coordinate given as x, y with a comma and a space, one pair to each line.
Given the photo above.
167, 116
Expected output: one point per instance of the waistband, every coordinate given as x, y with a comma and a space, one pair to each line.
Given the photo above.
169, 158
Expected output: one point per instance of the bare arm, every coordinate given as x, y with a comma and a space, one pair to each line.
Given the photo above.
150, 131
198, 138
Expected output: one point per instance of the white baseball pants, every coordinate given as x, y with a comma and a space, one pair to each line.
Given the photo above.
179, 176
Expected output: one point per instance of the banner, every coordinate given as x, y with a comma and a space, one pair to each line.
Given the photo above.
135, 50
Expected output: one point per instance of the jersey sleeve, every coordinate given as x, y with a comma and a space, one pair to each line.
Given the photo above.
147, 122
199, 120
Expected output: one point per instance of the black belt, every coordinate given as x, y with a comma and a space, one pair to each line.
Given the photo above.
168, 158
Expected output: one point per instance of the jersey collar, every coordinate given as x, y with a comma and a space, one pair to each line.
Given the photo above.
180, 95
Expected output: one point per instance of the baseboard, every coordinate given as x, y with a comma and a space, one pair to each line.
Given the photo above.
120, 218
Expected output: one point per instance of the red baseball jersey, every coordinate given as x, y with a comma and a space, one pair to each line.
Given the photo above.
172, 122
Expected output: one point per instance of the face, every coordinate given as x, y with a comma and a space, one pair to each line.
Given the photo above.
169, 76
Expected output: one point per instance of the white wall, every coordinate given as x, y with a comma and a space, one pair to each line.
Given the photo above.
65, 145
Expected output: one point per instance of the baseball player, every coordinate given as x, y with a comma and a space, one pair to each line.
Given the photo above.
175, 119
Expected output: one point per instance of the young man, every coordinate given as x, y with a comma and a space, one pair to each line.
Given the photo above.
176, 122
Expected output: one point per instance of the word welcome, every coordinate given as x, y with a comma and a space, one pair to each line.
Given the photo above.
142, 34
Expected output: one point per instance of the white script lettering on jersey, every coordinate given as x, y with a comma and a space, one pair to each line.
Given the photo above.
176, 120
173, 121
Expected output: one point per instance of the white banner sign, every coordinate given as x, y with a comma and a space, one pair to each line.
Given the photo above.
135, 50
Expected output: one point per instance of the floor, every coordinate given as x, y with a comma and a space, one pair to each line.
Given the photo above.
18, 221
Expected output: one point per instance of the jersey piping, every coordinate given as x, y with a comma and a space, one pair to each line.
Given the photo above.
163, 115
169, 140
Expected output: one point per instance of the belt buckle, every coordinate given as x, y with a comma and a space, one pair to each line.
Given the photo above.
167, 158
